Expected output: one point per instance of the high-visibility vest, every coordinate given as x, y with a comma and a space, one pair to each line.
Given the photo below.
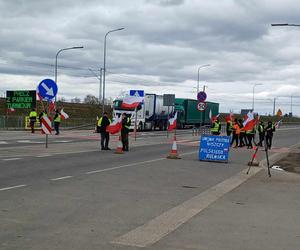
216, 127
32, 114
237, 129
100, 121
229, 126
260, 129
128, 123
58, 118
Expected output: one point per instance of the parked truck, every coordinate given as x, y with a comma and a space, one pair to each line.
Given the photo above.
189, 115
151, 114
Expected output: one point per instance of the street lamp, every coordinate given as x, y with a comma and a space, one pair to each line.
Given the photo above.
100, 82
104, 65
76, 47
202, 66
254, 85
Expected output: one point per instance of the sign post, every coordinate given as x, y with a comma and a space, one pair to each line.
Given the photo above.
47, 90
214, 148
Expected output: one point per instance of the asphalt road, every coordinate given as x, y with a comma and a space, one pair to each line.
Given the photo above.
88, 200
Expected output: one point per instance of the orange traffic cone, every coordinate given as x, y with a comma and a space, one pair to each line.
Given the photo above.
119, 149
173, 154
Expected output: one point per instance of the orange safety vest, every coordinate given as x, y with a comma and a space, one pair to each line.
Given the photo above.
237, 129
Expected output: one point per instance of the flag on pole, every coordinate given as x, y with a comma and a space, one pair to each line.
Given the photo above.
277, 124
172, 122
214, 118
249, 122
131, 102
115, 127
64, 115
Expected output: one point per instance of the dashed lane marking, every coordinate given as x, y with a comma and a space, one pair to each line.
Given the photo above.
13, 187
29, 141
12, 159
133, 164
3, 142
46, 155
62, 178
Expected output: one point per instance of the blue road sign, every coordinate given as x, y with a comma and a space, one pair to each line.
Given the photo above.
201, 96
214, 148
47, 89
139, 93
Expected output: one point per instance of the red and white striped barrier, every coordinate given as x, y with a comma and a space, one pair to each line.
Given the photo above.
46, 125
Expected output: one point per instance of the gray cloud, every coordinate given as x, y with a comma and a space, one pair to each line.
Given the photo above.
164, 42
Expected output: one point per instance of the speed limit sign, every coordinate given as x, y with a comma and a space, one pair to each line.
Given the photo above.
201, 106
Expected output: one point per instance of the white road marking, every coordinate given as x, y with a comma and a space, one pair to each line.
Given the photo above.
12, 159
3, 142
29, 141
162, 225
62, 178
46, 155
62, 141
133, 164
8, 188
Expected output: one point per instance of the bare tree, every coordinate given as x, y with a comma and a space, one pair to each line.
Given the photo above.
75, 100
91, 99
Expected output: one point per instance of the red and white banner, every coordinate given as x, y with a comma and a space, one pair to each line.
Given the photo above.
64, 115
172, 122
229, 118
131, 102
115, 126
249, 122
46, 125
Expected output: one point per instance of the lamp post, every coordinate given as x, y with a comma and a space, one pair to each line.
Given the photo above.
254, 85
58, 52
200, 67
100, 82
104, 65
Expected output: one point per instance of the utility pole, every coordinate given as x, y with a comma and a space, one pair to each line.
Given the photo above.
274, 104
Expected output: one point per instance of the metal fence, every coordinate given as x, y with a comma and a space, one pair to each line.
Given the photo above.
18, 123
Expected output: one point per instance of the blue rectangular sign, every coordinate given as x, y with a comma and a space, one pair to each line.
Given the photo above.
139, 93
214, 148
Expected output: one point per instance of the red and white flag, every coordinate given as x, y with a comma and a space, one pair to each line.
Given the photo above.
46, 125
64, 115
11, 110
277, 124
249, 122
131, 102
229, 118
213, 118
115, 126
172, 122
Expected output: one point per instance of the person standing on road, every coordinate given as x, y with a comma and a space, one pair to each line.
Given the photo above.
242, 134
235, 133
250, 136
269, 134
103, 122
32, 119
126, 122
229, 127
216, 127
261, 133
57, 120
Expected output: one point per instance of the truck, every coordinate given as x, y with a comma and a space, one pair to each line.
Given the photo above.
189, 115
151, 114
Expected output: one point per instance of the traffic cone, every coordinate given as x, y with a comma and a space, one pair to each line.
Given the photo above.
254, 161
173, 154
119, 149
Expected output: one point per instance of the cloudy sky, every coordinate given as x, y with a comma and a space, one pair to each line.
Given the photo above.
163, 44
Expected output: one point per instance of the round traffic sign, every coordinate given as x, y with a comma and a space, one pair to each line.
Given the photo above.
201, 96
47, 89
201, 106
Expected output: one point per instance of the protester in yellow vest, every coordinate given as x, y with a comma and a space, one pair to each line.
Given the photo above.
103, 122
57, 120
32, 118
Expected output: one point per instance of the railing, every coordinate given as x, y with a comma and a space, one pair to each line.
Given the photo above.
18, 123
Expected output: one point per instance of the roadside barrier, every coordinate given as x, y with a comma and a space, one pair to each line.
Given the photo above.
254, 161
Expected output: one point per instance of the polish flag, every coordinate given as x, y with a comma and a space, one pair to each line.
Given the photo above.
249, 122
131, 102
11, 110
213, 117
229, 118
115, 126
64, 115
172, 122
277, 124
